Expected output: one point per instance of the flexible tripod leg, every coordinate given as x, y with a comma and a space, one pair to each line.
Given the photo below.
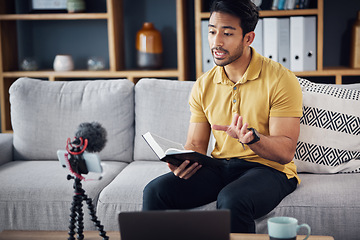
72, 219
94, 218
77, 215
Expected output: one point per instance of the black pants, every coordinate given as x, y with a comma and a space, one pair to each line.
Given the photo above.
248, 190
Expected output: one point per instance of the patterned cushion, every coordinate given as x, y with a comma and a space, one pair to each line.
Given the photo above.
329, 139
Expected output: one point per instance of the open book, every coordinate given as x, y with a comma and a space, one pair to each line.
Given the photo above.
174, 153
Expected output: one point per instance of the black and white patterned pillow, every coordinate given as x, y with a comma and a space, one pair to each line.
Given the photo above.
329, 140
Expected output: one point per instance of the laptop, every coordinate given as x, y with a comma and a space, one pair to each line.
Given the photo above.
175, 225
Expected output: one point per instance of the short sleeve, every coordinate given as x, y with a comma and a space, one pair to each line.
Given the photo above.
196, 109
287, 98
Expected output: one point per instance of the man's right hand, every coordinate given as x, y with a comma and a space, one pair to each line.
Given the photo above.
184, 171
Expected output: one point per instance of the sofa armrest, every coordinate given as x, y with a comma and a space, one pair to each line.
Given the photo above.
6, 148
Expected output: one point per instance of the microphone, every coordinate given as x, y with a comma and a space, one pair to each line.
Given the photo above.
95, 135
80, 155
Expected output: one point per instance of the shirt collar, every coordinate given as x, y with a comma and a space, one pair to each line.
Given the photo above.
251, 73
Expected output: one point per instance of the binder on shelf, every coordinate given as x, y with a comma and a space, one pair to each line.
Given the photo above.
207, 58
303, 43
258, 41
270, 31
284, 41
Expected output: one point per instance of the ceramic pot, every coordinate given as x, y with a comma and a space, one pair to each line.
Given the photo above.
149, 47
63, 63
75, 6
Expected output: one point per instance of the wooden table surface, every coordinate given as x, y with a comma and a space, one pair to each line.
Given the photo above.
94, 235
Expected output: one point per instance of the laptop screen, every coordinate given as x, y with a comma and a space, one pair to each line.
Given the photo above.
175, 225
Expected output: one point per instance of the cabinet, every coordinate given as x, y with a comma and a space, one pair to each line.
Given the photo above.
114, 17
201, 13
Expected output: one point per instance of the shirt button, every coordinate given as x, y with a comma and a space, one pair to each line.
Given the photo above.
234, 101
234, 88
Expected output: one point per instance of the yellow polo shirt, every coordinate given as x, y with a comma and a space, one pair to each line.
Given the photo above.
267, 89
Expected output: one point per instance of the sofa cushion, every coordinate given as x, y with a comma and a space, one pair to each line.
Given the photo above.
329, 139
125, 192
329, 203
44, 114
36, 195
161, 107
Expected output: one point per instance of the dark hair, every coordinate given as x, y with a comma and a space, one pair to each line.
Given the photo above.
246, 10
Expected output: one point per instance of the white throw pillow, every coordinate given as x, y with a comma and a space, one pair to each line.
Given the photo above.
329, 140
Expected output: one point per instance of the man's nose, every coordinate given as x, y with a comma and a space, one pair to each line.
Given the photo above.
217, 41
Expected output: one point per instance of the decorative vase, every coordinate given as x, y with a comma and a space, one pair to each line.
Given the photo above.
29, 64
75, 6
149, 47
63, 63
355, 44
95, 64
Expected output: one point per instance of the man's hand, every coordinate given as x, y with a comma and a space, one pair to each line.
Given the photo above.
183, 171
237, 129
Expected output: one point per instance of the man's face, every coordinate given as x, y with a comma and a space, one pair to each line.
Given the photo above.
225, 38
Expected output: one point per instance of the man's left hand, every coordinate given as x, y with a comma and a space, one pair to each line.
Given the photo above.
237, 129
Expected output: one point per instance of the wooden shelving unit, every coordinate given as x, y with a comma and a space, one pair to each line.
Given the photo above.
338, 72
9, 66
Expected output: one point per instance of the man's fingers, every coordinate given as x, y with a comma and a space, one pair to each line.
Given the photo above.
239, 123
178, 170
235, 119
188, 172
244, 130
192, 172
183, 171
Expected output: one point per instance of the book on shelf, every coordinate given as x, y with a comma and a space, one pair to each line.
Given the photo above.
174, 153
284, 4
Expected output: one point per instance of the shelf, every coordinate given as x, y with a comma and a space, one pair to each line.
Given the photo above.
286, 13
337, 72
132, 75
277, 13
54, 16
331, 71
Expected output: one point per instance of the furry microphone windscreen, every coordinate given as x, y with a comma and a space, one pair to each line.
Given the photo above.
94, 133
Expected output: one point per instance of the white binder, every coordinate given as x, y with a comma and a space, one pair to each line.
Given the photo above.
284, 42
207, 58
258, 41
303, 43
270, 31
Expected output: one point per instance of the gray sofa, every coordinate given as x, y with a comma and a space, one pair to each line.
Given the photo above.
34, 191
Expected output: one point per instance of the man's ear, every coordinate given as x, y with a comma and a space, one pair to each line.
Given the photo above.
249, 38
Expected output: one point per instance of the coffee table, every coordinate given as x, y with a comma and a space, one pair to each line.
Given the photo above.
94, 235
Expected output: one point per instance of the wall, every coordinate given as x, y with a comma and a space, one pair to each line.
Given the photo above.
339, 17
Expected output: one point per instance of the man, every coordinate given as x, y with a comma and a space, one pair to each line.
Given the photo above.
253, 105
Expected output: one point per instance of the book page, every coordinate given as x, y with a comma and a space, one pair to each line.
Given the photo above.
166, 143
171, 151
159, 144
